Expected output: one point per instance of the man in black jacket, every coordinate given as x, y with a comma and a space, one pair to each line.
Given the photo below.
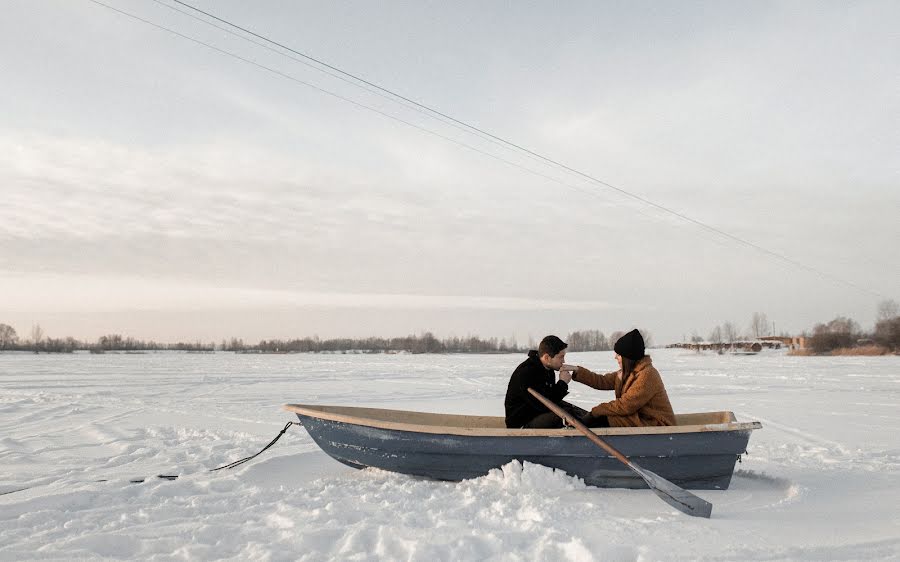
537, 372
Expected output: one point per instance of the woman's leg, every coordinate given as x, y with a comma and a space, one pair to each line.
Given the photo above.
591, 420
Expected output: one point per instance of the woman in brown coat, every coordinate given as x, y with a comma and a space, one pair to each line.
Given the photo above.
641, 398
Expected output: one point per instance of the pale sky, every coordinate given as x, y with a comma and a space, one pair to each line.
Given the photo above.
159, 189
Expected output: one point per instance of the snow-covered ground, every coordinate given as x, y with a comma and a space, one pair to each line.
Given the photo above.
821, 480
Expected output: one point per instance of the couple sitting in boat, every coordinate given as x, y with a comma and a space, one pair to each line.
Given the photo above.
640, 396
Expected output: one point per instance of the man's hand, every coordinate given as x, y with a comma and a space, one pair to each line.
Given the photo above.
565, 376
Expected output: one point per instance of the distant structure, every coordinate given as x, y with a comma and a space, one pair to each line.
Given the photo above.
791, 342
798, 343
748, 347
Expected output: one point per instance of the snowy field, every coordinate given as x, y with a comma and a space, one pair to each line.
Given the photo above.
821, 480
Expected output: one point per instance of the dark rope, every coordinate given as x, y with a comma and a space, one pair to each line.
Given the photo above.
175, 476
242, 461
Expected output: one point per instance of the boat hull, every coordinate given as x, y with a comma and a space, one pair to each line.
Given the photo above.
701, 460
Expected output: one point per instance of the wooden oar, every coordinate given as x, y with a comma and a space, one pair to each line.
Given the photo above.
676, 496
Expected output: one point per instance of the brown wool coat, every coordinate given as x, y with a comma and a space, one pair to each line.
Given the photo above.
640, 401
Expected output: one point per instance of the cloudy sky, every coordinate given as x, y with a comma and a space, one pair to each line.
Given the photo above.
160, 188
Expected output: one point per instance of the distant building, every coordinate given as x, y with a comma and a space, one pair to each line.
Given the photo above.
791, 342
748, 346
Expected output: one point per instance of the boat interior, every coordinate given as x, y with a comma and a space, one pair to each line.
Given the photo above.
353, 414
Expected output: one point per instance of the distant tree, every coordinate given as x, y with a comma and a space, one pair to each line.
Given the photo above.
8, 337
759, 325
427, 343
67, 345
577, 341
887, 333
588, 340
716, 335
730, 333
509, 345
614, 337
237, 344
887, 310
111, 342
840, 332
695, 338
37, 335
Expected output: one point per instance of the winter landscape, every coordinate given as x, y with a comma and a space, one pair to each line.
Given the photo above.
181, 179
820, 481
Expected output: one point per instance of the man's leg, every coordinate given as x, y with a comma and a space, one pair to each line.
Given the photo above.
573, 409
547, 420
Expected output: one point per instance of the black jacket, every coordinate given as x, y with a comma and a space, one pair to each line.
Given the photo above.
521, 406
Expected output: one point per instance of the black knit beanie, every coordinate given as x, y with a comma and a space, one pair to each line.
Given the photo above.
631, 345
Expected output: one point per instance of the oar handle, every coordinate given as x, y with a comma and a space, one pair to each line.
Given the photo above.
573, 421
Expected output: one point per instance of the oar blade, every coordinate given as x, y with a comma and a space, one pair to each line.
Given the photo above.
674, 495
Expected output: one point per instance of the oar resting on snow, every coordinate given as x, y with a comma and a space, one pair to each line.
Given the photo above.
676, 496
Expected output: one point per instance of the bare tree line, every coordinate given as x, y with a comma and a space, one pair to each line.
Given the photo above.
595, 340
839, 333
38, 342
729, 332
425, 343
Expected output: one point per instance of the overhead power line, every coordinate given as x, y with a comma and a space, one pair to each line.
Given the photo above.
448, 119
340, 97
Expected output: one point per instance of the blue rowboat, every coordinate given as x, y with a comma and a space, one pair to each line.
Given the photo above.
698, 453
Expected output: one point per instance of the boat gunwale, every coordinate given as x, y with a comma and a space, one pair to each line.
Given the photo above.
315, 411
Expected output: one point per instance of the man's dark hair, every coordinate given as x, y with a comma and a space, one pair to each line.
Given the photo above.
551, 345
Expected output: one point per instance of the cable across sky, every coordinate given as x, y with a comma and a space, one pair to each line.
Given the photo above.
422, 108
